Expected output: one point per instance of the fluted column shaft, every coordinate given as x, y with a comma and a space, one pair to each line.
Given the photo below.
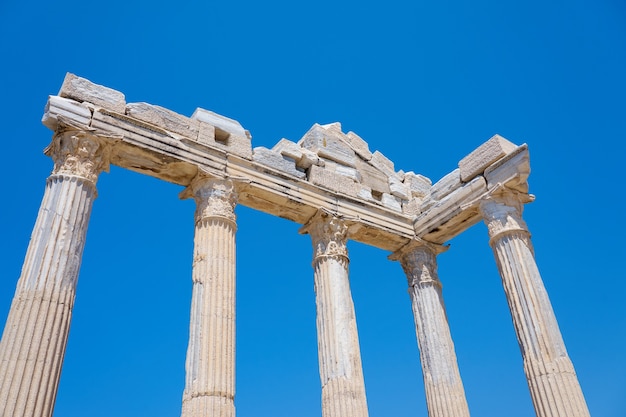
445, 395
553, 384
210, 365
341, 373
35, 337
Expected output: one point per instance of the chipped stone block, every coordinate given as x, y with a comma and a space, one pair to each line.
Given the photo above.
333, 181
359, 146
412, 207
391, 202
486, 154
163, 118
289, 149
365, 193
351, 173
446, 185
81, 89
327, 142
372, 177
419, 185
227, 135
397, 188
335, 127
309, 158
513, 170
382, 163
277, 161
222, 123
236, 145
59, 106
206, 133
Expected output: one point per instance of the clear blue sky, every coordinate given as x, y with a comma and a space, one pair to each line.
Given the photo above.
424, 83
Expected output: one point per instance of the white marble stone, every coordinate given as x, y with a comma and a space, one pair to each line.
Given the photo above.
419, 185
210, 366
83, 90
35, 336
445, 395
359, 145
277, 161
328, 142
341, 374
333, 181
325, 172
486, 154
552, 381
70, 109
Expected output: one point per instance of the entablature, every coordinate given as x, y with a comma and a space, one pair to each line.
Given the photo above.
326, 169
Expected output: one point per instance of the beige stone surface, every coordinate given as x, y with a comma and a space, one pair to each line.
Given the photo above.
65, 108
210, 365
341, 373
485, 155
83, 90
164, 118
445, 395
41, 311
550, 374
328, 180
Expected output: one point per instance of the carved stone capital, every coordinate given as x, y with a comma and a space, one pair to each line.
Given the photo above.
419, 261
215, 197
502, 213
329, 235
80, 153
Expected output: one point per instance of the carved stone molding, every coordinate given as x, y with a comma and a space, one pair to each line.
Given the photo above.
78, 151
215, 197
502, 213
329, 235
419, 261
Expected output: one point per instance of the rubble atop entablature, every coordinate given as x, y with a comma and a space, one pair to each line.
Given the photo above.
344, 164
277, 161
327, 142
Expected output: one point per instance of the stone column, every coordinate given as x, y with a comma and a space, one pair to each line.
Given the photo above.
553, 384
445, 395
210, 366
341, 373
36, 332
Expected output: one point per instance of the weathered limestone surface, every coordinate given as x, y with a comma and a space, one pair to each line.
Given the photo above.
325, 169
445, 395
210, 366
325, 177
341, 374
485, 155
81, 89
35, 335
553, 384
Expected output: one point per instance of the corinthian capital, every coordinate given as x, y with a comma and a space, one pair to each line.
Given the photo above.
419, 261
502, 212
328, 233
215, 197
80, 152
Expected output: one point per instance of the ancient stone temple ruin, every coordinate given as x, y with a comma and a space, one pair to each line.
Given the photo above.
332, 184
